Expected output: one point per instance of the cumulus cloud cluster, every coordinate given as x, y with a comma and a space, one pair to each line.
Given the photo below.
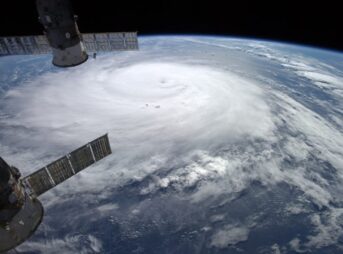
70, 244
229, 235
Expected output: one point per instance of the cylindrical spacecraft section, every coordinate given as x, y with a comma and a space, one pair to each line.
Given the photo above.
11, 192
22, 225
20, 214
61, 30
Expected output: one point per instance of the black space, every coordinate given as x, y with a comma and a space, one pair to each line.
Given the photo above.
317, 23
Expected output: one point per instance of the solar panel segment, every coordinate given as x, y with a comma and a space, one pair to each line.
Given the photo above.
39, 181
24, 45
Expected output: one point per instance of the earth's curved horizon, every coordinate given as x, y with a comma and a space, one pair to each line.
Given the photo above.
219, 145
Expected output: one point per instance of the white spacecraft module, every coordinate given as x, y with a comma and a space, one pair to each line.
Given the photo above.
63, 39
20, 210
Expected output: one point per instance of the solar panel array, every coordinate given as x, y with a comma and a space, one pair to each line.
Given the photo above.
62, 169
24, 45
93, 42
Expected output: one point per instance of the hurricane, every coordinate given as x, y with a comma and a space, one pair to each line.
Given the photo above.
219, 144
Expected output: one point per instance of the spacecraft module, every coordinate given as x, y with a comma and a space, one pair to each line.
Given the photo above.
62, 37
21, 212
